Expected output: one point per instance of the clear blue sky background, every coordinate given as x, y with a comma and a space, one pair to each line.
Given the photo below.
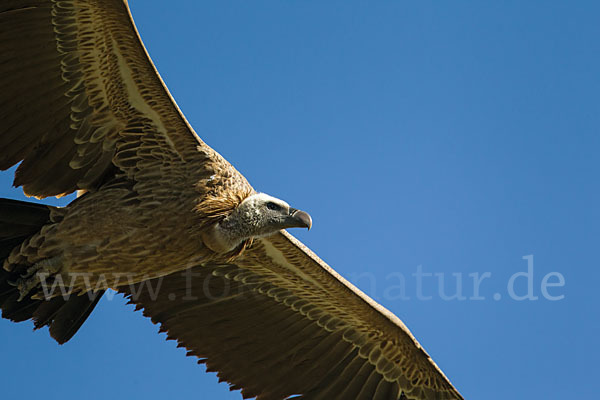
458, 136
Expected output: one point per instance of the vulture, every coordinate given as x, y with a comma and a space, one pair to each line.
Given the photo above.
84, 110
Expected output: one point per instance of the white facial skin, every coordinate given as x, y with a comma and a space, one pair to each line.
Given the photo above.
258, 216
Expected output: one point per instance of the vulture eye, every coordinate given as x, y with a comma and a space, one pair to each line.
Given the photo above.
273, 206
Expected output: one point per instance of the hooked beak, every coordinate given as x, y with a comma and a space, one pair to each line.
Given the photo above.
298, 219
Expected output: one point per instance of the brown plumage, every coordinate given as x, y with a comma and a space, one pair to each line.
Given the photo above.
83, 108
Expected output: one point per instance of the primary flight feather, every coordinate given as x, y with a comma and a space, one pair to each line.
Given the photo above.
84, 109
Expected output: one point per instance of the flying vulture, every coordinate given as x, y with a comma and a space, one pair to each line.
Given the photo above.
84, 109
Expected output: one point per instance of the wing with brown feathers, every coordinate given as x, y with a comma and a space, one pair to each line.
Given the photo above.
280, 322
81, 99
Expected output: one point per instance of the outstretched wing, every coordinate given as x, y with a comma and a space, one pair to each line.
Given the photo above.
81, 99
280, 322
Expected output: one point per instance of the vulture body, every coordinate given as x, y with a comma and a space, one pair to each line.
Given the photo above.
84, 109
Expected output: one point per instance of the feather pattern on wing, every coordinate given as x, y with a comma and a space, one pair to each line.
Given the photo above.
280, 322
81, 101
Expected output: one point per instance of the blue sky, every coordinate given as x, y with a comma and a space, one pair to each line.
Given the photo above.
443, 137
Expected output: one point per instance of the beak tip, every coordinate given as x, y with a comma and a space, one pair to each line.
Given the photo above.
304, 218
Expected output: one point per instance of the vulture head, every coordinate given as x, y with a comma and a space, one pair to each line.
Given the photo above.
256, 216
